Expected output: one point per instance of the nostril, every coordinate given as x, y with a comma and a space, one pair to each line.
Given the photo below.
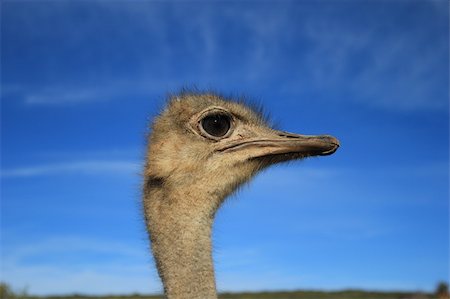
287, 135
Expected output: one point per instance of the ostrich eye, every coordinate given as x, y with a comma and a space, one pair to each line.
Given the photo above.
216, 125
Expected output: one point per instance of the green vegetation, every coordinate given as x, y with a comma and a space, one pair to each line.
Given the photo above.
346, 294
441, 292
7, 293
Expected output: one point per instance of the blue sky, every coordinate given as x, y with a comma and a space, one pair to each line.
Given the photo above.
81, 81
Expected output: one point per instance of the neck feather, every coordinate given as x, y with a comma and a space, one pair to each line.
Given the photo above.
180, 232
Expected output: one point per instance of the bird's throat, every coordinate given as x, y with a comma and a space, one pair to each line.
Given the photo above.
180, 233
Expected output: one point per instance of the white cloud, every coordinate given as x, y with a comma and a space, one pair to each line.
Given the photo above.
65, 94
64, 97
377, 64
101, 267
325, 47
40, 267
93, 167
94, 154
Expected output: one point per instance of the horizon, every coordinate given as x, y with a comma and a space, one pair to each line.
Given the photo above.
343, 290
81, 82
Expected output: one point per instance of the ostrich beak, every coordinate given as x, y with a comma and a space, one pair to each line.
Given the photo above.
305, 145
282, 146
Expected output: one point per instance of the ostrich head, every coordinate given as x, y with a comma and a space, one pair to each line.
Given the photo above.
202, 147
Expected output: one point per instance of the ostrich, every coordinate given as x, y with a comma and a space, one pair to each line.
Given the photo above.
203, 147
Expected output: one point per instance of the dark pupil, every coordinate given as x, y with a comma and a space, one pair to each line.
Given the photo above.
216, 125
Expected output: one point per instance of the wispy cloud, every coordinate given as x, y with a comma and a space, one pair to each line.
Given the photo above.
66, 97
62, 265
93, 167
377, 64
114, 153
67, 94
61, 94
70, 264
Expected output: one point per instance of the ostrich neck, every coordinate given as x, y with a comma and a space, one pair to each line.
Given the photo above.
180, 231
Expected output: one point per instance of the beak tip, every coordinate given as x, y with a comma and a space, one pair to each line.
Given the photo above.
334, 144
